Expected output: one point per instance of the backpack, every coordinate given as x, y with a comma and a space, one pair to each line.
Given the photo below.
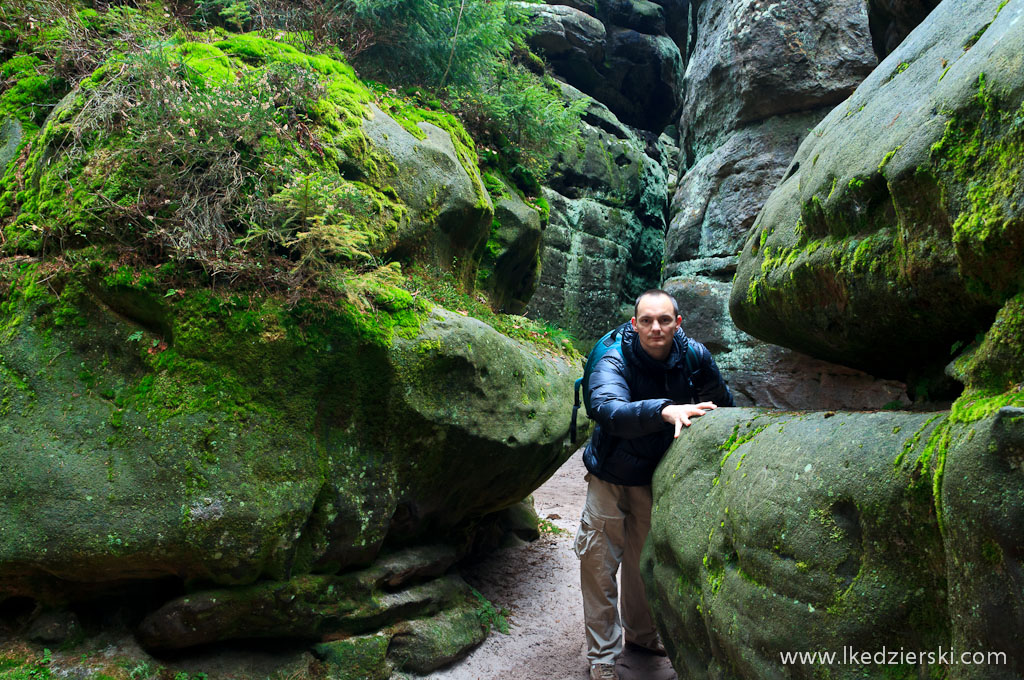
609, 341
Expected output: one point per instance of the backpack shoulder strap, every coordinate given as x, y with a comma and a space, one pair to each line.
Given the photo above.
609, 340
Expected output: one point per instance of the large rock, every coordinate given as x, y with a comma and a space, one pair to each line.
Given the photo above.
622, 57
898, 230
861, 531
448, 206
570, 35
753, 60
142, 451
353, 177
511, 260
717, 200
760, 374
10, 138
759, 77
595, 260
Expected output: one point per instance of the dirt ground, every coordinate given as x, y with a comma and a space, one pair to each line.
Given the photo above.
538, 586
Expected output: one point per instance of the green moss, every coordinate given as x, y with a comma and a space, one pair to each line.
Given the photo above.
980, 157
362, 657
970, 407
994, 364
409, 116
441, 287
888, 157
495, 187
737, 440
259, 51
33, 90
544, 207
209, 64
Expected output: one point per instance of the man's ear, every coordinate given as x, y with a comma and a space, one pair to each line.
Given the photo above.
633, 322
679, 320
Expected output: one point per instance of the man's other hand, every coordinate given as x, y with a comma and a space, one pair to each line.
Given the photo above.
680, 414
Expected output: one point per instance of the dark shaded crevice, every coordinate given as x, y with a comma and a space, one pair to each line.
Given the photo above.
890, 21
604, 124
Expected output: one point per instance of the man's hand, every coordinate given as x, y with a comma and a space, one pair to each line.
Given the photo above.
680, 414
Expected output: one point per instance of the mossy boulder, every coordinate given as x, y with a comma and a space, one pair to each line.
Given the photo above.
233, 437
898, 230
207, 148
859, 530
397, 587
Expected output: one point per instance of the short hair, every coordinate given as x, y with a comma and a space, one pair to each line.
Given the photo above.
656, 291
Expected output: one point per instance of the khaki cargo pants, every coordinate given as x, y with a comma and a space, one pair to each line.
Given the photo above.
612, 531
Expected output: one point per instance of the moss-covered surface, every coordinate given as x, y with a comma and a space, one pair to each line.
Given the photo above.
816, 530
885, 262
221, 367
423, 645
360, 657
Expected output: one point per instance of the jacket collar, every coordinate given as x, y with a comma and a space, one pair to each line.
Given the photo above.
633, 352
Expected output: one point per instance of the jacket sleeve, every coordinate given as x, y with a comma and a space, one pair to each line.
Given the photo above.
611, 405
708, 381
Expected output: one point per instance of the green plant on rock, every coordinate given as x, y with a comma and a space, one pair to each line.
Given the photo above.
489, 615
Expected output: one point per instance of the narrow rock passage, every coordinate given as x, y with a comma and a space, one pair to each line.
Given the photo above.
538, 586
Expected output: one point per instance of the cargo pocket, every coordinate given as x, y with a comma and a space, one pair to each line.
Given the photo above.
589, 533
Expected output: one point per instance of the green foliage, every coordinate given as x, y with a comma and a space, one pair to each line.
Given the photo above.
546, 526
69, 41
30, 667
205, 153
472, 54
439, 43
489, 615
526, 119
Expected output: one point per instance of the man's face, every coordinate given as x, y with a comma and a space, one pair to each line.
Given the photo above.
655, 323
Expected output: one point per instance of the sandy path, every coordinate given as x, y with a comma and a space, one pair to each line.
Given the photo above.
538, 585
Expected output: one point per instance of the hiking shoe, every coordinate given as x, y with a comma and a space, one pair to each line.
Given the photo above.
657, 649
603, 671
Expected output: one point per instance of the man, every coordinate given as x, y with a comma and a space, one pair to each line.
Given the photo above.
642, 398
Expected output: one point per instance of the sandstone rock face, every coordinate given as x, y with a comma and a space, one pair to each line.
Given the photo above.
760, 374
897, 231
754, 60
758, 78
622, 56
10, 138
513, 252
602, 245
892, 20
718, 198
858, 530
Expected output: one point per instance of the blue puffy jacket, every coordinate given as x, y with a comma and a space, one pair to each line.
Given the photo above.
628, 391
